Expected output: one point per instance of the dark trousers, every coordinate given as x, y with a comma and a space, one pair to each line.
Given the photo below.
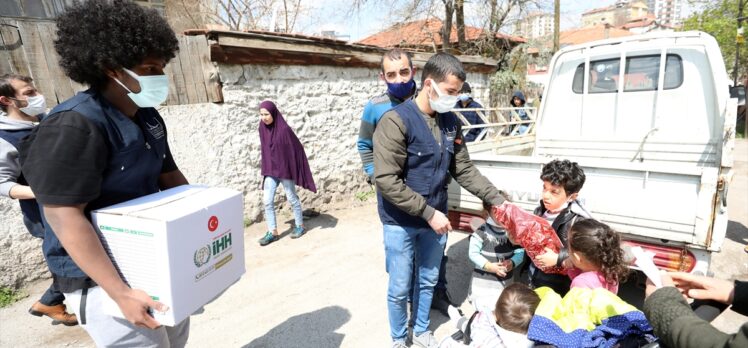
558, 282
52, 296
708, 309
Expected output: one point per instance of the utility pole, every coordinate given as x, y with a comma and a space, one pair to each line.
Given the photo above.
739, 39
556, 26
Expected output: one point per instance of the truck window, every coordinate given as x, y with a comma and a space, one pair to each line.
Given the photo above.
641, 74
673, 71
604, 76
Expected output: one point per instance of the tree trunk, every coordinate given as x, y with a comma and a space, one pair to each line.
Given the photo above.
492, 20
285, 12
556, 24
447, 24
460, 19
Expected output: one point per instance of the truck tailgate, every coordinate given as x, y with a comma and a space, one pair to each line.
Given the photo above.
650, 200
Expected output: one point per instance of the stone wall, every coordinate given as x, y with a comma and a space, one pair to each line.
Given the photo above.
219, 145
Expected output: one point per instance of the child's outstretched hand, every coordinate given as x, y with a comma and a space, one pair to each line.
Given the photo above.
497, 268
547, 259
567, 264
508, 265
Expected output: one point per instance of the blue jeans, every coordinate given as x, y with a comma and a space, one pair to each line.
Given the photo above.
402, 247
270, 185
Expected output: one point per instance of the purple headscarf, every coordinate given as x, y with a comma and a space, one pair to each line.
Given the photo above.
283, 155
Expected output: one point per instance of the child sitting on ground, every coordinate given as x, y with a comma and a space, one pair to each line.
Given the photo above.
596, 255
494, 258
505, 326
562, 181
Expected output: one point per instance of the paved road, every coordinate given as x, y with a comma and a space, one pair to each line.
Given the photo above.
328, 288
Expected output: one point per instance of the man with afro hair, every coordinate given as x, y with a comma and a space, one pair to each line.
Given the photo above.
104, 146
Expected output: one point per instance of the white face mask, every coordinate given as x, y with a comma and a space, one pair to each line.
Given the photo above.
36, 105
443, 102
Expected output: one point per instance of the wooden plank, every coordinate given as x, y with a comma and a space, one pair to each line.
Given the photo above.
473, 63
63, 88
196, 68
189, 83
210, 72
77, 87
295, 47
5, 61
13, 45
32, 45
172, 98
175, 66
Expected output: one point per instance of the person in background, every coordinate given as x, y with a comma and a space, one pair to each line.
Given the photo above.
466, 102
398, 74
676, 324
518, 102
24, 106
283, 162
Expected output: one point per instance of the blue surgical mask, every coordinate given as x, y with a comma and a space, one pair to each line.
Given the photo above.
464, 97
153, 89
401, 90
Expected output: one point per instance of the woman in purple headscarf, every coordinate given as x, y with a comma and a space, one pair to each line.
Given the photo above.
283, 162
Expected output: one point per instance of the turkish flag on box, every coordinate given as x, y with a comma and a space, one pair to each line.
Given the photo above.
531, 232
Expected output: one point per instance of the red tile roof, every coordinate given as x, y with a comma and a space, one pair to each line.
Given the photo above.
583, 35
425, 32
578, 36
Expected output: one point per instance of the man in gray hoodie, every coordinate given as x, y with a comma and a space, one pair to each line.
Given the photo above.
23, 105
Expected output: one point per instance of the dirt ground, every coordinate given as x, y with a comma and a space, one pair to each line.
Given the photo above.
328, 288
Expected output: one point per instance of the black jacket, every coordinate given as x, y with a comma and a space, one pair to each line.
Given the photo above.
558, 282
677, 326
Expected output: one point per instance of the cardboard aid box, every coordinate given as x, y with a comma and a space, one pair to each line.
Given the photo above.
183, 246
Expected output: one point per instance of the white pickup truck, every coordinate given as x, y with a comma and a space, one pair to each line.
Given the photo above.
650, 120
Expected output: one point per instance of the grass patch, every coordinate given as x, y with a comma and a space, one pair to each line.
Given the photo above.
740, 129
9, 296
364, 196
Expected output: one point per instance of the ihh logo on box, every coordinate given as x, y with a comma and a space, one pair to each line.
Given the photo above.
202, 255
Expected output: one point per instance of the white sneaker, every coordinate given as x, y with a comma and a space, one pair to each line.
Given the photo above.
425, 340
399, 344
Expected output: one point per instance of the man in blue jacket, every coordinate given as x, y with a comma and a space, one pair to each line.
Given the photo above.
398, 73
